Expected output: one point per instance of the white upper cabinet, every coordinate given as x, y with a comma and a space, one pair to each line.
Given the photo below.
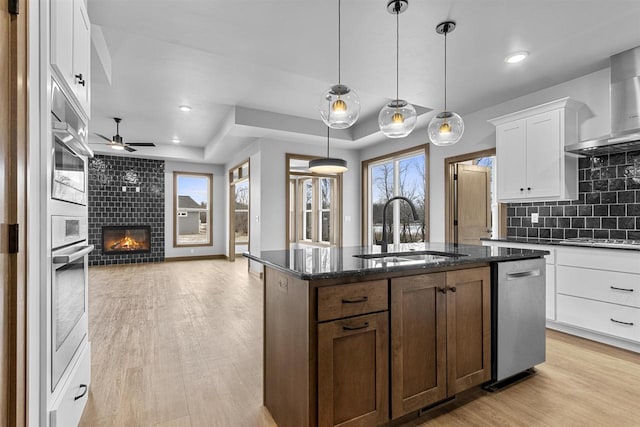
532, 164
71, 49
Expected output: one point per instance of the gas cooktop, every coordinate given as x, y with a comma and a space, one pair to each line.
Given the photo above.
604, 243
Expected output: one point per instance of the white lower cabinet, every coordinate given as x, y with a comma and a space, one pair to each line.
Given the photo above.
612, 319
598, 291
67, 409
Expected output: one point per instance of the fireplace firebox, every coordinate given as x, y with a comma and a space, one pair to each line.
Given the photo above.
126, 239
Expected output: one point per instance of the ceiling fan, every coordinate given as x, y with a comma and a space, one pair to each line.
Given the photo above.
117, 142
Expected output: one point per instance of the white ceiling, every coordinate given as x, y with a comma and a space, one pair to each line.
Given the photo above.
238, 62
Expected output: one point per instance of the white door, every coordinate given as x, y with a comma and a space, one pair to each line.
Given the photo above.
543, 155
511, 152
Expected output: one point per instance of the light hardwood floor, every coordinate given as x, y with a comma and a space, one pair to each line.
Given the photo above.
180, 344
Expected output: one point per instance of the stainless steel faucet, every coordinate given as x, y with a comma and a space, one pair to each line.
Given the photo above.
383, 243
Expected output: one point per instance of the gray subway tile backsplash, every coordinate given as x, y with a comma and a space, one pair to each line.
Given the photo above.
608, 205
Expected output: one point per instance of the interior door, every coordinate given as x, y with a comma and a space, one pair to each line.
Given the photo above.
13, 91
473, 203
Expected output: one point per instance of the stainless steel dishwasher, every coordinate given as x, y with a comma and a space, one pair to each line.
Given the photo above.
518, 317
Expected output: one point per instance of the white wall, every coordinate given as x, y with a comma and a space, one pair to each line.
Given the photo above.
591, 89
219, 219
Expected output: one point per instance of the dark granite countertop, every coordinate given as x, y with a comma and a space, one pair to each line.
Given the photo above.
538, 241
314, 263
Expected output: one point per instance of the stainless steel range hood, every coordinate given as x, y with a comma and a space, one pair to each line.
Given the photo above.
625, 109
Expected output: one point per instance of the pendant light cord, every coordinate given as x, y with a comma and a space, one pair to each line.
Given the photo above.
328, 141
446, 30
339, 38
397, 52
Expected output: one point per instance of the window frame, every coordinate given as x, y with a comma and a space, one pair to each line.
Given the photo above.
366, 187
292, 227
209, 176
237, 175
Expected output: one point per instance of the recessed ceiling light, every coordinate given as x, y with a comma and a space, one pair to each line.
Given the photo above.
515, 57
176, 140
184, 108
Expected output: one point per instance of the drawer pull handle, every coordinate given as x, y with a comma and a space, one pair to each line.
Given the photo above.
621, 289
84, 391
354, 300
521, 274
621, 322
355, 328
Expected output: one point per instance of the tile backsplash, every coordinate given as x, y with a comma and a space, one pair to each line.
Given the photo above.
608, 204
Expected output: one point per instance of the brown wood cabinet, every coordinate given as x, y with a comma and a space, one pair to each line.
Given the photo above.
440, 336
468, 328
331, 358
353, 373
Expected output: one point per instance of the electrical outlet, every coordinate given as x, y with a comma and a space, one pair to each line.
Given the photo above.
534, 218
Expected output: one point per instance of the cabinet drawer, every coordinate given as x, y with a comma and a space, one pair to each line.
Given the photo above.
67, 409
609, 286
599, 316
339, 301
603, 259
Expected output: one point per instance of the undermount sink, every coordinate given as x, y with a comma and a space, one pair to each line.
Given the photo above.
432, 256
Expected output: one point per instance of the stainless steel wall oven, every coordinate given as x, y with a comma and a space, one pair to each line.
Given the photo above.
70, 149
69, 271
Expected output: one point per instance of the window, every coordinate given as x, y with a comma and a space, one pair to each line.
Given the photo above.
398, 174
192, 197
241, 219
239, 205
314, 204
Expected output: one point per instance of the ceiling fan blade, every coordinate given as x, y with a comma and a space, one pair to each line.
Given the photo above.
129, 149
141, 144
104, 137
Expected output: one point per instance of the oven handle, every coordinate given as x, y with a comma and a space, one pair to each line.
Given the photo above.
66, 259
63, 128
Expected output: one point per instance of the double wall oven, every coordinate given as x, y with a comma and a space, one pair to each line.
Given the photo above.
68, 220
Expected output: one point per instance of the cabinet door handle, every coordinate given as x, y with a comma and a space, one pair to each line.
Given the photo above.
621, 322
80, 79
522, 189
528, 188
452, 289
354, 300
365, 325
84, 391
443, 290
621, 289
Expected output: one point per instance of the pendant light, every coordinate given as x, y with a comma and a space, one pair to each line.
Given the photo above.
328, 164
344, 104
398, 118
447, 127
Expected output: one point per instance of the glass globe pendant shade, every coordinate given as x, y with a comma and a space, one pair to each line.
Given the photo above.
339, 107
397, 119
446, 129
328, 165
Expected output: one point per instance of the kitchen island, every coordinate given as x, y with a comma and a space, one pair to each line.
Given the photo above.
355, 337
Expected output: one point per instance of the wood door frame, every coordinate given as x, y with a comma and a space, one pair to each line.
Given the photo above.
15, 136
232, 204
449, 199
287, 199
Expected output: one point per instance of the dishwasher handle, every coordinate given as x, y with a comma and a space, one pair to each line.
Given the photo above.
523, 274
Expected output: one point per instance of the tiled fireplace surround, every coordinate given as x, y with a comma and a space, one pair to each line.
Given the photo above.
141, 204
608, 205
